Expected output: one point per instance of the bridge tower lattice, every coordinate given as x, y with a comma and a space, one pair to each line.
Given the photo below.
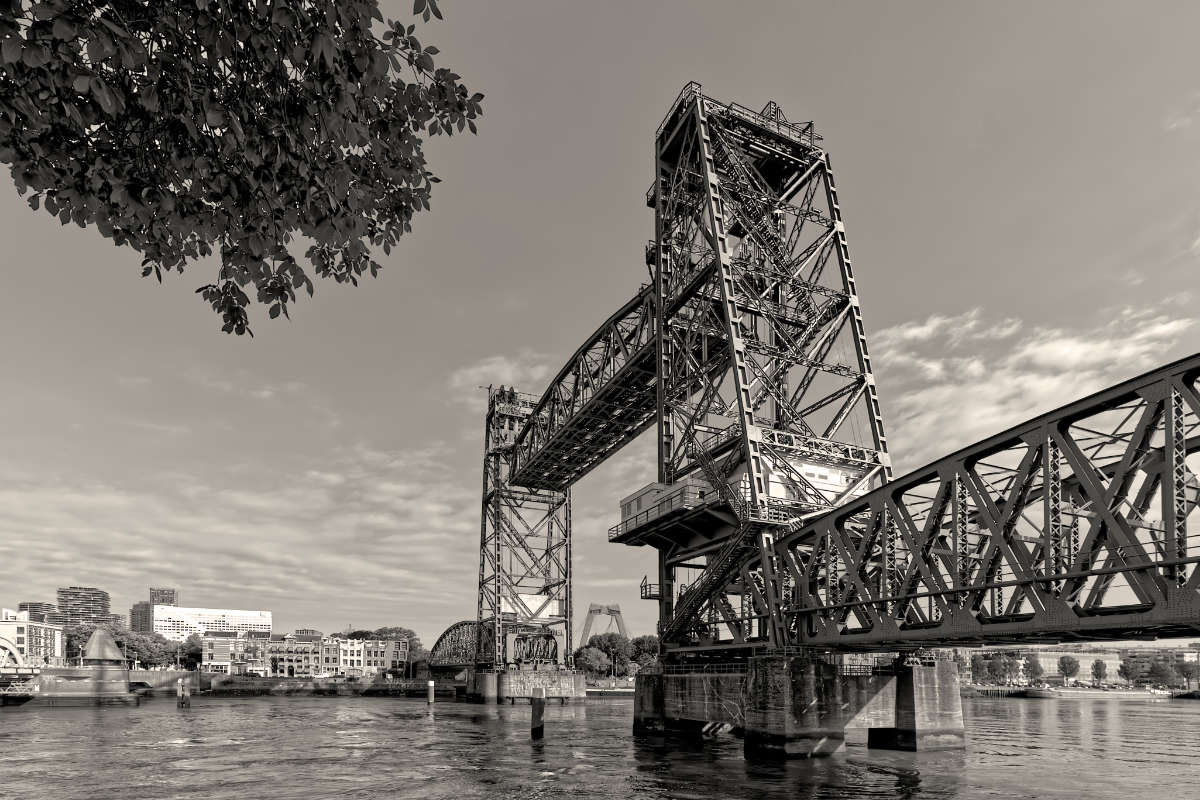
524, 595
766, 397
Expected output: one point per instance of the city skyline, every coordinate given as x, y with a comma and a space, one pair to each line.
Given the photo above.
279, 473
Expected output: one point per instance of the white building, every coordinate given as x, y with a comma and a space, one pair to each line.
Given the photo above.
370, 657
29, 643
177, 623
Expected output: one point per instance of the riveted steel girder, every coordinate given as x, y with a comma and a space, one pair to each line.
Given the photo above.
1080, 524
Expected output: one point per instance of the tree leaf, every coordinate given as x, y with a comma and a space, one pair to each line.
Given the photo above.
63, 29
10, 50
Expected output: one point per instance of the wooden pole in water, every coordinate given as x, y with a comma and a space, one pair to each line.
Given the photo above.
429, 696
537, 721
183, 694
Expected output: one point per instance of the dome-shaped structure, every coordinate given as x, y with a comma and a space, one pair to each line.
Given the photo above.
101, 650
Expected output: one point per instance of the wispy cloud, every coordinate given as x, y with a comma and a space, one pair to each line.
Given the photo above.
943, 390
160, 428
527, 370
1183, 115
377, 534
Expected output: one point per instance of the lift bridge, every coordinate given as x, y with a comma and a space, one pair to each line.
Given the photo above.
776, 517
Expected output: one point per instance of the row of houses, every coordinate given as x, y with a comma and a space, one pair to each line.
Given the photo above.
300, 655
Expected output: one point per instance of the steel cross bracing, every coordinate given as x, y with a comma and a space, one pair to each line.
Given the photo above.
760, 339
524, 544
598, 402
1073, 525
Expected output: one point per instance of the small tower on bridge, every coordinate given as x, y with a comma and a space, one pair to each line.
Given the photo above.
524, 603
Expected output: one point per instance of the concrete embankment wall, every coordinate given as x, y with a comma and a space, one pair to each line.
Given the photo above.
162, 680
239, 685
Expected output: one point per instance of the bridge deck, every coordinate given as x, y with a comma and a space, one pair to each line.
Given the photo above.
602, 398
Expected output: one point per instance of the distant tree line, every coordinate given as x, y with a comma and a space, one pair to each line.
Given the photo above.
145, 649
611, 654
1006, 668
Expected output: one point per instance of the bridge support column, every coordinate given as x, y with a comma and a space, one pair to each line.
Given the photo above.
482, 687
928, 709
795, 708
649, 709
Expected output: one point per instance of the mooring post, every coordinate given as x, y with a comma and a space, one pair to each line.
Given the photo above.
537, 720
429, 695
183, 694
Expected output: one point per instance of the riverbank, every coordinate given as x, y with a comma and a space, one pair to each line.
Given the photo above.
244, 686
1073, 693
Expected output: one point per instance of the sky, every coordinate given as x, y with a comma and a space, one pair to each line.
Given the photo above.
1019, 183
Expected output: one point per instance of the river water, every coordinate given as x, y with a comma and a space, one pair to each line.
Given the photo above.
315, 748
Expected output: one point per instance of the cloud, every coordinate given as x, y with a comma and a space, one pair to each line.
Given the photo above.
966, 326
528, 370
160, 428
383, 537
242, 383
1183, 115
946, 382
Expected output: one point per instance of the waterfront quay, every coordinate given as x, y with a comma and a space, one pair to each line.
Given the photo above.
359, 748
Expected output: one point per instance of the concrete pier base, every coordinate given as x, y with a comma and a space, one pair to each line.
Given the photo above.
804, 707
928, 710
520, 685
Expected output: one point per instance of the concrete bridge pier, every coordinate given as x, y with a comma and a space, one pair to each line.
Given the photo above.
803, 707
928, 709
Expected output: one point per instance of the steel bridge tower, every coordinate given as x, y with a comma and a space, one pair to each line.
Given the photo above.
767, 409
524, 601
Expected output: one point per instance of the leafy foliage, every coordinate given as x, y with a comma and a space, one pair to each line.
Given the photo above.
979, 668
644, 649
191, 651
1189, 671
593, 661
184, 128
1099, 670
616, 647
1160, 673
147, 649
1034, 669
1128, 671
1068, 666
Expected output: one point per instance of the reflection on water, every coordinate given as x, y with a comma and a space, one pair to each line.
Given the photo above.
315, 748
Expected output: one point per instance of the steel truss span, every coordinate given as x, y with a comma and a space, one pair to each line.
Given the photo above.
599, 401
1080, 524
